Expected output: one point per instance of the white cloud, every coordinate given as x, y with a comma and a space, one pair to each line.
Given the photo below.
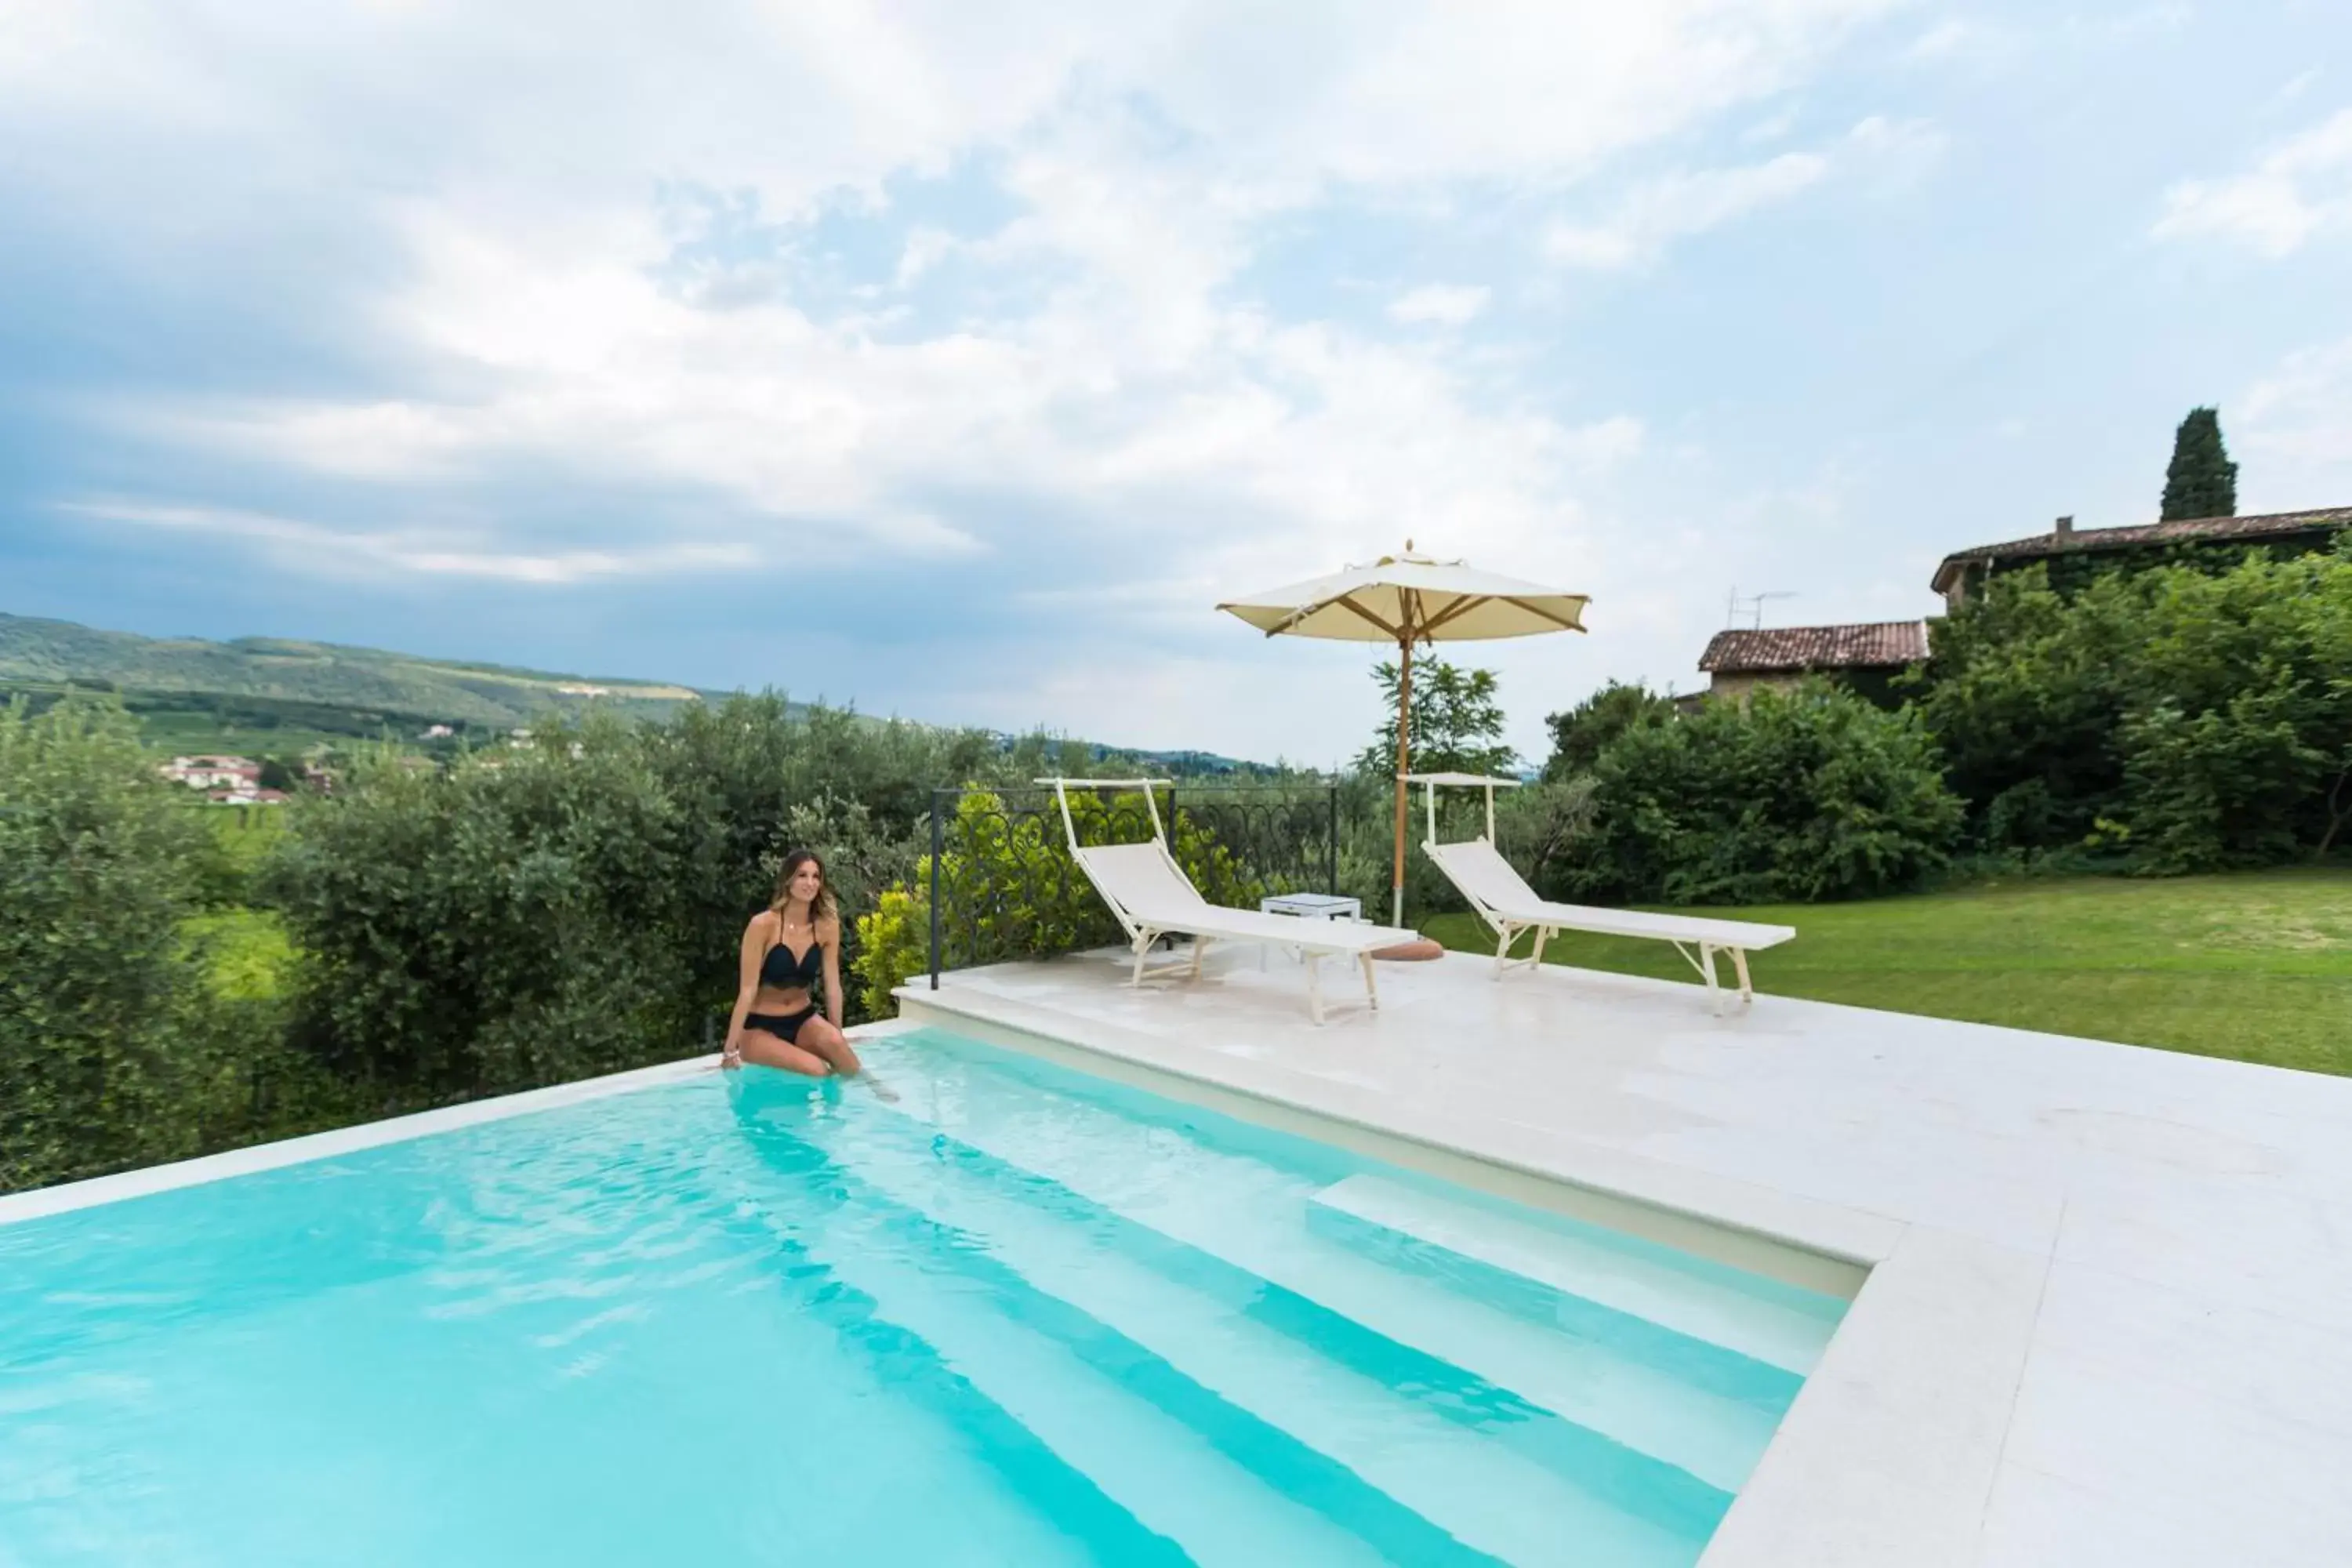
359, 552
1680, 205
1136, 387
1444, 304
1894, 151
2298, 189
2293, 88
1946, 37
1677, 207
515, 295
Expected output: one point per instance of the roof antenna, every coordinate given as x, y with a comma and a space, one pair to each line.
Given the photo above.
1755, 611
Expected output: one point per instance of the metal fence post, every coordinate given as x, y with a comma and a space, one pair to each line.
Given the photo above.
1331, 844
938, 849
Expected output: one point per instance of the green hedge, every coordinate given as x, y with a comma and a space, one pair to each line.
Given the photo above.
2185, 719
115, 1046
1786, 797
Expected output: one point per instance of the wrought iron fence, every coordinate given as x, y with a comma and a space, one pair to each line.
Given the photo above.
1003, 884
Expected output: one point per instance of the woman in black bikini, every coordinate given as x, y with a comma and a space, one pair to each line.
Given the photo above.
785, 947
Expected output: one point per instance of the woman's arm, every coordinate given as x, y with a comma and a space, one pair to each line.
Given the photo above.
831, 937
747, 987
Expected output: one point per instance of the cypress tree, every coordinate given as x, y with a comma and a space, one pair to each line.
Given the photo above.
2201, 481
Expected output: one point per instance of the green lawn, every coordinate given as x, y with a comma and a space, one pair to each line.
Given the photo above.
2255, 966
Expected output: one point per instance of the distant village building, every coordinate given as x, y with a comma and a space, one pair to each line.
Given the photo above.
1866, 658
211, 772
250, 794
2076, 555
437, 732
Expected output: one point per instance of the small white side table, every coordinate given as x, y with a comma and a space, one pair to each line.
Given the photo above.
1311, 907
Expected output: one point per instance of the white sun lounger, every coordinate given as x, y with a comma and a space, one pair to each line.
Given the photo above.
1150, 897
1509, 907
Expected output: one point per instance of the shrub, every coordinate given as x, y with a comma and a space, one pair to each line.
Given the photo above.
2198, 719
1541, 827
510, 923
894, 946
1580, 735
107, 1029
1788, 797
575, 907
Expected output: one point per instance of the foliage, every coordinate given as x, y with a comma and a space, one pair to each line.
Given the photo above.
248, 954
1809, 794
2200, 480
1457, 722
2179, 719
893, 943
1539, 828
237, 842
578, 905
1580, 735
513, 921
108, 1031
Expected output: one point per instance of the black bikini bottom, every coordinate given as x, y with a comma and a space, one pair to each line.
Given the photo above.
785, 1027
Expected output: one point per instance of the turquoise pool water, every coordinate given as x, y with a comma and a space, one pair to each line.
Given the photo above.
1022, 1317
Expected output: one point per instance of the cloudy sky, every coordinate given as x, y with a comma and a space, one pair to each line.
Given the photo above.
956, 359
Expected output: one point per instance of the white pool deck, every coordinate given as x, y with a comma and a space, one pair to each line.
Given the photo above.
2108, 1314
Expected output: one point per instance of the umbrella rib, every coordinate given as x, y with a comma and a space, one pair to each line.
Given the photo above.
1461, 605
1347, 603
1292, 619
1560, 621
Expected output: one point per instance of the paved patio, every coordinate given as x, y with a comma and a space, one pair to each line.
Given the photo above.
2108, 1314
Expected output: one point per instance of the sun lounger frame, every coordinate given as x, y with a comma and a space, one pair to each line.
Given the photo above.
1187, 913
1697, 939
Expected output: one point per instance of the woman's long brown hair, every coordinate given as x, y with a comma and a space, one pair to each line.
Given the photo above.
821, 907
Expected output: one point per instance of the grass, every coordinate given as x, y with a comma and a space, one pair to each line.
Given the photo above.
2254, 966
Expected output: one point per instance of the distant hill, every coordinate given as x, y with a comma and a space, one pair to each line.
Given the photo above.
273, 694
308, 682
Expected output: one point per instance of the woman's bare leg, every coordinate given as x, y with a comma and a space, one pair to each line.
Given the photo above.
821, 1037
760, 1047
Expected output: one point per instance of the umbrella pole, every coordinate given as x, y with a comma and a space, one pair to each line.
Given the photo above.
1404, 730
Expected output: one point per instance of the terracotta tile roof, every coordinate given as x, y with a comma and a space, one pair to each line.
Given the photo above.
2182, 530
1877, 645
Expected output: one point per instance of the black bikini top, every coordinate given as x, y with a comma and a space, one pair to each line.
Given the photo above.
782, 972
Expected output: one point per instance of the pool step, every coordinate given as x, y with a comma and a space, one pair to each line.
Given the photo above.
1171, 1477
1691, 1297
1488, 1490
1254, 1216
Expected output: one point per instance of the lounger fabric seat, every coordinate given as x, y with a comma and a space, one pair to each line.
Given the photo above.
1150, 897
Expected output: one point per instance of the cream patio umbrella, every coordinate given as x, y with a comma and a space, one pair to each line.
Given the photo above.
1406, 599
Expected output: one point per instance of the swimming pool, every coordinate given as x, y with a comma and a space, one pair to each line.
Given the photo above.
1023, 1316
